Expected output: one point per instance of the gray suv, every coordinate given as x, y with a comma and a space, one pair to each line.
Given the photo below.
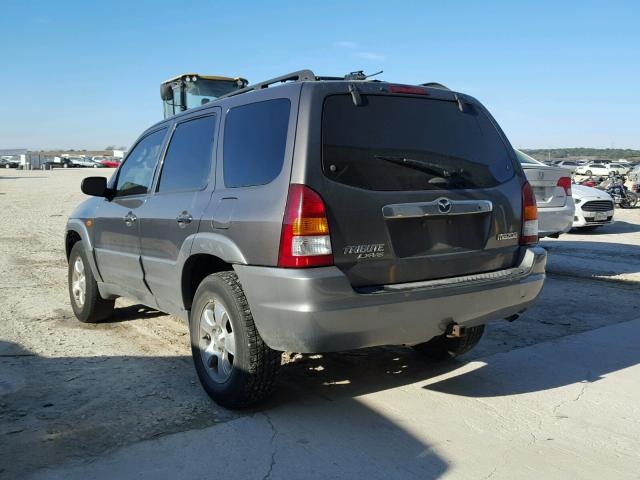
312, 214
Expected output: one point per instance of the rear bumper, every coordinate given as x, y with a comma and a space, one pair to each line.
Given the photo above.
317, 310
552, 220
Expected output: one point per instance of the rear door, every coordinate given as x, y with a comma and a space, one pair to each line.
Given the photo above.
417, 189
171, 216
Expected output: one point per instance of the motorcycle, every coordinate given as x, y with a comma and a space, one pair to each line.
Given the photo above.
622, 197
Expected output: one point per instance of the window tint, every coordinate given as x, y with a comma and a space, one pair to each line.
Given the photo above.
255, 137
395, 143
136, 173
188, 159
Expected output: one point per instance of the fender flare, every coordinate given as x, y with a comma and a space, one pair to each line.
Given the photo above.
217, 245
78, 226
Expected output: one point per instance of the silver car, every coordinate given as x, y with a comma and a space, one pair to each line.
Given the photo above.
552, 187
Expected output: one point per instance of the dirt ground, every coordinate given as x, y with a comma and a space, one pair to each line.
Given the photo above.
72, 392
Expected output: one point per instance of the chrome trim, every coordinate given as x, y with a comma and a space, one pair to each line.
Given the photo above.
429, 209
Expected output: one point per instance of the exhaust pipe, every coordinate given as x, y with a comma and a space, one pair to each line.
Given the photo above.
455, 331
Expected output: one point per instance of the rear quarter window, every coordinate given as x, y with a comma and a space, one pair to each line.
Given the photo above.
395, 143
255, 137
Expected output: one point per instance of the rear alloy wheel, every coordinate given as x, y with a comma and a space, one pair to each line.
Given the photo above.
86, 302
235, 367
445, 348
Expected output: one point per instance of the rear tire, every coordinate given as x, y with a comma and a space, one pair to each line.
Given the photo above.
234, 365
86, 302
444, 348
632, 200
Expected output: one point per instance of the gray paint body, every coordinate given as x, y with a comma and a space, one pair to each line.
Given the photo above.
242, 226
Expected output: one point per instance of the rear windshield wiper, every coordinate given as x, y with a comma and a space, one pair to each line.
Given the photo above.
415, 164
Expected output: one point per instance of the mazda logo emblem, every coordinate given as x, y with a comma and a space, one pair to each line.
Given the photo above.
444, 205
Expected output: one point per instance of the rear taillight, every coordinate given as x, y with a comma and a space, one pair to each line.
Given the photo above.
565, 182
305, 240
529, 234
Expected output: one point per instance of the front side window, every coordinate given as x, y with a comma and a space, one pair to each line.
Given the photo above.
187, 163
136, 173
255, 137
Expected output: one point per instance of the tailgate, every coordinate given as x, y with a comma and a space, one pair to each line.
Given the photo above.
416, 189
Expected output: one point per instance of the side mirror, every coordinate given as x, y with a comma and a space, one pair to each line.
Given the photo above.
95, 186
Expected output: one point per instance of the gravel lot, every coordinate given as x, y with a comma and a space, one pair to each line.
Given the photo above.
73, 392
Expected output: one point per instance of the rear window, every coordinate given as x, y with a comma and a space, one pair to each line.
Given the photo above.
394, 143
255, 138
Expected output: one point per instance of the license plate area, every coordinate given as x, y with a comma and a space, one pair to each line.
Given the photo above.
600, 216
412, 237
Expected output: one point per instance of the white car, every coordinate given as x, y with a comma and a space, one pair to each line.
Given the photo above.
85, 162
593, 207
619, 168
570, 165
597, 169
552, 187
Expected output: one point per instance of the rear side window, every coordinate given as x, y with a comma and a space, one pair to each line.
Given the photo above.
397, 143
255, 137
187, 163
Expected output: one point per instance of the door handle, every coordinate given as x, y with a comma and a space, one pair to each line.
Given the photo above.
184, 219
129, 219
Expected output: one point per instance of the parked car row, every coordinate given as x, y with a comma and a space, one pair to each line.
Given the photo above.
83, 162
563, 205
9, 162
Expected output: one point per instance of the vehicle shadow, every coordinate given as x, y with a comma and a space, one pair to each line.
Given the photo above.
619, 226
74, 410
133, 312
78, 408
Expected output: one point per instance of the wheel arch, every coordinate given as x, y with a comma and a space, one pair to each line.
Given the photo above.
76, 231
195, 269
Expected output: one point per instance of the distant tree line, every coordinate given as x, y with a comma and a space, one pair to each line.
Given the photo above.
604, 153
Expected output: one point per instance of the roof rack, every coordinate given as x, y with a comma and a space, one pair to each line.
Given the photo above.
299, 76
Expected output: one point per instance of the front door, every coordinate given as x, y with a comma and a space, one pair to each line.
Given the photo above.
116, 225
171, 215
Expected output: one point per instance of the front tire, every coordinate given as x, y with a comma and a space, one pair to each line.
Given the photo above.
86, 302
235, 367
444, 348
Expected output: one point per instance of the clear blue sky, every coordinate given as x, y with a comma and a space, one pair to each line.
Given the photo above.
78, 74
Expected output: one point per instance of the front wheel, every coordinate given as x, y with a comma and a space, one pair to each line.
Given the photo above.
235, 367
86, 302
588, 172
444, 348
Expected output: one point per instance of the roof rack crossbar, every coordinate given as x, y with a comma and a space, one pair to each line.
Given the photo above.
299, 76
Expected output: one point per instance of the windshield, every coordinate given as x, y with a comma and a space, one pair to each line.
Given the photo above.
394, 143
205, 90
